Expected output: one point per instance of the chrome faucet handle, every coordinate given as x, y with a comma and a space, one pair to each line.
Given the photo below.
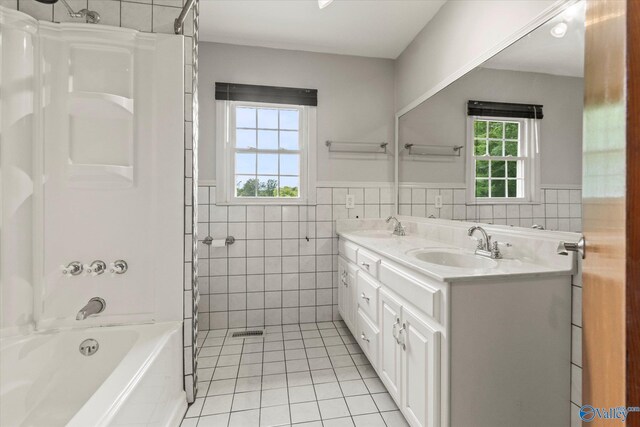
96, 268
118, 267
73, 269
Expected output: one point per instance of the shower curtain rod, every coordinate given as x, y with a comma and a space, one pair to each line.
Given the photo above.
178, 23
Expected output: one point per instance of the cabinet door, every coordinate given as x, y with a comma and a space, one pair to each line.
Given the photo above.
390, 351
351, 304
420, 371
342, 287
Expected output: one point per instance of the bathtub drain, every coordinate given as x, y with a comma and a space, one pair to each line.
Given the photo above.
89, 347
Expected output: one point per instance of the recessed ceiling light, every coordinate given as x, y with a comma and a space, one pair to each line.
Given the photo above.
559, 30
324, 3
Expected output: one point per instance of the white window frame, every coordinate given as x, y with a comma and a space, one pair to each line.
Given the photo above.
530, 156
225, 155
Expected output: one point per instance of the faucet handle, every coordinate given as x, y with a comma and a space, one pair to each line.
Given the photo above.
118, 267
73, 269
96, 268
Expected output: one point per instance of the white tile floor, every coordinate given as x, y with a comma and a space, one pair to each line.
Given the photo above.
312, 375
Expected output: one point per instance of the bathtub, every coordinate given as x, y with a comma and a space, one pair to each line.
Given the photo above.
135, 378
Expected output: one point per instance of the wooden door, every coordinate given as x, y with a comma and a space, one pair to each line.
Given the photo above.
611, 218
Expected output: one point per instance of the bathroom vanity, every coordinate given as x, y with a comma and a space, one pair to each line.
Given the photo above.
460, 339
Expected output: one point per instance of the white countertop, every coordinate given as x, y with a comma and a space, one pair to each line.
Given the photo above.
514, 264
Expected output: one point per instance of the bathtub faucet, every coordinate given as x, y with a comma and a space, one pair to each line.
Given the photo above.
94, 306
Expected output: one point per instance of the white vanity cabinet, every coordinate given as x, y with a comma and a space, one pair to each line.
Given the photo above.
480, 352
400, 342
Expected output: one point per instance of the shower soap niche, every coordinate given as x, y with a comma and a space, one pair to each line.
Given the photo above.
101, 114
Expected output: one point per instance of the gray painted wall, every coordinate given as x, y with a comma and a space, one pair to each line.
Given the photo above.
461, 31
441, 120
355, 101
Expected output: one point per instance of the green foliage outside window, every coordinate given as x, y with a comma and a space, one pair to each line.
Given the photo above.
253, 187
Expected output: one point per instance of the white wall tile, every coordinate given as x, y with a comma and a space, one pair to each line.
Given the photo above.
418, 196
136, 16
371, 196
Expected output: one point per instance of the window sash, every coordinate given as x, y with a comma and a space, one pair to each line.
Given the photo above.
527, 178
301, 152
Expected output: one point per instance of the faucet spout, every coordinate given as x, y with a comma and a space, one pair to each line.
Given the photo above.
482, 244
94, 306
399, 229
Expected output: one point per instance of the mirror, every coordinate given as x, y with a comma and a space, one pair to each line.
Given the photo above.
503, 143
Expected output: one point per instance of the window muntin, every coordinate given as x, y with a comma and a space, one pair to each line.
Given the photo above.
499, 159
267, 147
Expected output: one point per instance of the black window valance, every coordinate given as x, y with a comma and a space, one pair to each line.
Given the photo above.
271, 94
504, 109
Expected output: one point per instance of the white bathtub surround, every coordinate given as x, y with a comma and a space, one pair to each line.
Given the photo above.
135, 377
98, 144
455, 344
152, 18
99, 200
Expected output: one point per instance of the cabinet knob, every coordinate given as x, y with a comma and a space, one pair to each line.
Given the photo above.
365, 297
364, 264
363, 337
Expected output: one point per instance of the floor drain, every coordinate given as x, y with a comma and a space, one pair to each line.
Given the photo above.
243, 334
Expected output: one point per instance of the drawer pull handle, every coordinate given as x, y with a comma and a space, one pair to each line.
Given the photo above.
364, 297
364, 264
402, 344
393, 330
363, 337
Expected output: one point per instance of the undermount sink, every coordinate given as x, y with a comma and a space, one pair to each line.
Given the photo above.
376, 234
452, 258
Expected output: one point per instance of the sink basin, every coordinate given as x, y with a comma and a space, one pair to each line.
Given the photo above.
375, 234
452, 258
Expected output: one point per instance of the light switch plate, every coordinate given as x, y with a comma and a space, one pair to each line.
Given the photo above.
438, 201
351, 201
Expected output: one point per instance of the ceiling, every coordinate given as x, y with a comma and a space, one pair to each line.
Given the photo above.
373, 28
540, 52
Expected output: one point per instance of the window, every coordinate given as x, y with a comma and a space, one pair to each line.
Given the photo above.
503, 160
265, 153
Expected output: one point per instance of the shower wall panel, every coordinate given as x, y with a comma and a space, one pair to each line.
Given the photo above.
17, 178
112, 111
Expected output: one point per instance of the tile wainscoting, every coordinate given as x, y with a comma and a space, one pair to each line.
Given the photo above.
274, 275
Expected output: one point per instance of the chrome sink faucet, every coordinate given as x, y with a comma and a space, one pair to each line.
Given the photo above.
485, 247
399, 229
94, 306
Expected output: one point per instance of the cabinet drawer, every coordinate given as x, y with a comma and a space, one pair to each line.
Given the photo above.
368, 262
367, 296
347, 250
415, 290
368, 336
